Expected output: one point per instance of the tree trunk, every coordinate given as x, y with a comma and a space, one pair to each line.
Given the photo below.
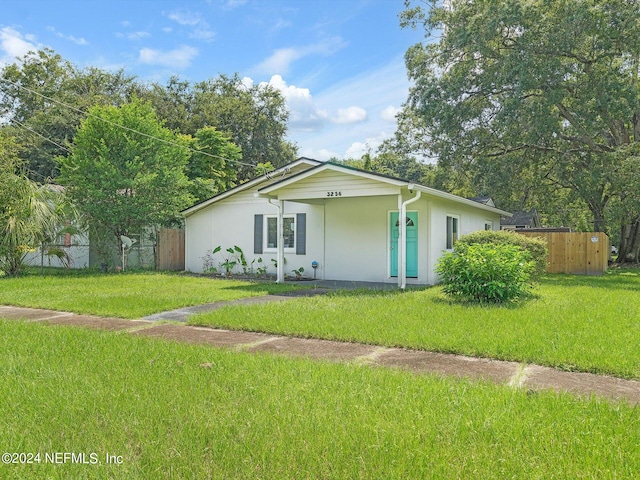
629, 251
598, 218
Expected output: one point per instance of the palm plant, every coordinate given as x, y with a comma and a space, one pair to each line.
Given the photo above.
29, 214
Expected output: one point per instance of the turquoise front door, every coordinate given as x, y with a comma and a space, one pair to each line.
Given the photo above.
412, 243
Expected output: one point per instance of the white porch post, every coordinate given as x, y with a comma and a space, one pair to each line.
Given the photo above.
401, 235
280, 257
402, 267
402, 274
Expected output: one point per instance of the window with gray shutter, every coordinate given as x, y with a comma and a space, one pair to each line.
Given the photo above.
301, 234
257, 233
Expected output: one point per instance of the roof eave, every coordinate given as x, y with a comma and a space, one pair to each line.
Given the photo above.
456, 198
255, 181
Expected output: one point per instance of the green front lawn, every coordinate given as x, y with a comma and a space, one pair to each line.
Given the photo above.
573, 322
125, 295
180, 411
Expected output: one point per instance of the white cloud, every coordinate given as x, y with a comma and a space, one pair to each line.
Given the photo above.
303, 113
350, 115
200, 28
281, 24
389, 113
78, 41
15, 45
203, 33
280, 60
185, 18
177, 58
371, 144
228, 4
247, 82
133, 35
356, 150
322, 154
374, 91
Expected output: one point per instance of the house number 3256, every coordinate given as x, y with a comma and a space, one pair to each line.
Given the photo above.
334, 194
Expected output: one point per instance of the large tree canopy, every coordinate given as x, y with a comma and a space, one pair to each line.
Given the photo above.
253, 116
44, 98
126, 171
547, 89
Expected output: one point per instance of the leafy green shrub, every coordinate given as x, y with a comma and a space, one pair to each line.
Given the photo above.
537, 247
486, 272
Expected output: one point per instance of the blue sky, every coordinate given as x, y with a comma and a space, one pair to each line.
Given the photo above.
339, 63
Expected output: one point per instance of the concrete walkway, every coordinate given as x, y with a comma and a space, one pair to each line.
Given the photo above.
516, 375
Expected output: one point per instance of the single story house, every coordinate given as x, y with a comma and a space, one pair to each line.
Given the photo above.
342, 220
521, 220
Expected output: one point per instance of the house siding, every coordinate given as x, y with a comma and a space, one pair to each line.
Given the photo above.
329, 184
232, 223
347, 225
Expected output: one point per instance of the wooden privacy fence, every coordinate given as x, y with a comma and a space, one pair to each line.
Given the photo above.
171, 249
575, 252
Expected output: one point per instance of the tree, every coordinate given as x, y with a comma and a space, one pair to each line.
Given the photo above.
212, 167
126, 171
255, 117
173, 104
45, 97
550, 86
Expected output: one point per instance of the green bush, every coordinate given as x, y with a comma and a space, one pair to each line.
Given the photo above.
486, 272
537, 247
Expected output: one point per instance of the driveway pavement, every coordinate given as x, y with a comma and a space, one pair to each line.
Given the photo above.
516, 375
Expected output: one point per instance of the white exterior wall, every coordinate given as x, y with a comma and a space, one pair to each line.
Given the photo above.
356, 238
230, 222
470, 220
348, 235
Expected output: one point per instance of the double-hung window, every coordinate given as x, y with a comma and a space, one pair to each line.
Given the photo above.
294, 231
452, 231
288, 231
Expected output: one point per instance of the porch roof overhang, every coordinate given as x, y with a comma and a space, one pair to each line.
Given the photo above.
329, 180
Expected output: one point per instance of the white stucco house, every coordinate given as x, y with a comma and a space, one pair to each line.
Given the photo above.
344, 220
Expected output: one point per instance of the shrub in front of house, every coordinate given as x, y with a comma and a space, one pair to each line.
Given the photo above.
485, 272
537, 247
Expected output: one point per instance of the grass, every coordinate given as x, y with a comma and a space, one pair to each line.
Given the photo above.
573, 323
125, 295
183, 411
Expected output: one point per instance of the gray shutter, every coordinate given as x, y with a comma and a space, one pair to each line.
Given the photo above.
257, 233
301, 234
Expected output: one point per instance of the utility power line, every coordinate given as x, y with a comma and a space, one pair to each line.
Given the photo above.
26, 127
82, 112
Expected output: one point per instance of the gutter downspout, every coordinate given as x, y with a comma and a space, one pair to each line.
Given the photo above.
403, 237
280, 237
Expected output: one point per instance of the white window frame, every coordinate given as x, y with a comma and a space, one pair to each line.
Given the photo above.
450, 241
265, 247
488, 225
